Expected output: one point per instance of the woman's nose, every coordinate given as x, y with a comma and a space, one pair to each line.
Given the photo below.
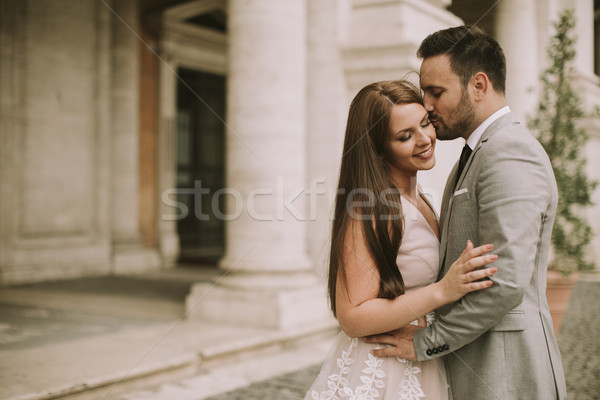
423, 138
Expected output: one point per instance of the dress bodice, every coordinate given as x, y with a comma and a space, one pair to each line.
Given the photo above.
418, 257
350, 371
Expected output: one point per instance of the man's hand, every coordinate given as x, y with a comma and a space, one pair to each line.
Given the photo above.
400, 340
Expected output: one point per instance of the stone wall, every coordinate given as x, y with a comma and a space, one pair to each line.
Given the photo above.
68, 116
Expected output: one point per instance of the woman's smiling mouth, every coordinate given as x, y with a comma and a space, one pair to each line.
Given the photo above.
426, 154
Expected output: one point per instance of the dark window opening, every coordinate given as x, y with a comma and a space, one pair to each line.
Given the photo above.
216, 19
200, 165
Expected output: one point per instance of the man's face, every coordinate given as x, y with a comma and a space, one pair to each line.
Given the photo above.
450, 108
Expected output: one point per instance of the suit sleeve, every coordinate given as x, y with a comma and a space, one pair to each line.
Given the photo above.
514, 195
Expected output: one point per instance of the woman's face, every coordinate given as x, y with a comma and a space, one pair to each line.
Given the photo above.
411, 140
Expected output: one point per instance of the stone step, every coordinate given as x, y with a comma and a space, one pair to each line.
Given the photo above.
229, 376
105, 365
99, 338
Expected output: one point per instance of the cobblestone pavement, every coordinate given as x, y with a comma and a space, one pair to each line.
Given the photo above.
291, 386
579, 341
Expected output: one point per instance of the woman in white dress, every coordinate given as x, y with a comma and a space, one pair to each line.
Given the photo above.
384, 250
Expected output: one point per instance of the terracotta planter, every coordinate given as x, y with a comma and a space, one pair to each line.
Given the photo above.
558, 292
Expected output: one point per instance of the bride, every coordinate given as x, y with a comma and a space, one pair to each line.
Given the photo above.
384, 256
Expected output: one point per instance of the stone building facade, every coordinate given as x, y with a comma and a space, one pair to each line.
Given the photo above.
136, 135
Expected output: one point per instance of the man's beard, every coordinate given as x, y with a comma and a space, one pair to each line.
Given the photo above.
461, 121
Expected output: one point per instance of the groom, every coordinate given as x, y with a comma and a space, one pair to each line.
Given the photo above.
498, 342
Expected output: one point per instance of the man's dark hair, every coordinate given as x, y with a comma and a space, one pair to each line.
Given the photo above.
470, 50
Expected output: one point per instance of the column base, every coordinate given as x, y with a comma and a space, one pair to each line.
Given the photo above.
265, 306
169, 249
134, 259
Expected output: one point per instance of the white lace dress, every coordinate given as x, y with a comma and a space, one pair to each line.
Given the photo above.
351, 372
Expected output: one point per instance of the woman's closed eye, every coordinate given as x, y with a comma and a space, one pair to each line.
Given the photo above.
406, 136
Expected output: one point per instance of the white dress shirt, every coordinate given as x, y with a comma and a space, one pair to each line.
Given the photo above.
476, 134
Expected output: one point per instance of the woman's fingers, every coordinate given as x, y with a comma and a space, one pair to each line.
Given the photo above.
475, 280
473, 286
468, 272
478, 262
466, 251
472, 252
481, 273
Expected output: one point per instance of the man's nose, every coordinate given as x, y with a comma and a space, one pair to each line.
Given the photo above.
427, 103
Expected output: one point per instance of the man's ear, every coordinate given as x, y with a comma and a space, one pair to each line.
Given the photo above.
480, 84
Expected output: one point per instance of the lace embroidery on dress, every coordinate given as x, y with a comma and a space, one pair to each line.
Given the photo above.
410, 388
338, 386
373, 378
338, 382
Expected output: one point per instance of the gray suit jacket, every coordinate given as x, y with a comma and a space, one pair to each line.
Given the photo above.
499, 342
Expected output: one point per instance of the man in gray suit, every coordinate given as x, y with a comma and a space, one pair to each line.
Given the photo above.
498, 342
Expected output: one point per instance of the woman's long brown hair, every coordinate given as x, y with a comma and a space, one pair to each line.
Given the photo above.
364, 181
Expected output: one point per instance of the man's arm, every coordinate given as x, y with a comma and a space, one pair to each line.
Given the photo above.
514, 195
360, 312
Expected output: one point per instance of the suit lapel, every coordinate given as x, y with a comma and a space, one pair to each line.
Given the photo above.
448, 202
494, 127
450, 188
445, 216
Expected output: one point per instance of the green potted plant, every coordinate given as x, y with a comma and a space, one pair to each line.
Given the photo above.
556, 125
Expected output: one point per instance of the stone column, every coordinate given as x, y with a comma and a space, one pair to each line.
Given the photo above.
584, 31
129, 255
326, 118
586, 85
265, 136
522, 70
168, 239
267, 276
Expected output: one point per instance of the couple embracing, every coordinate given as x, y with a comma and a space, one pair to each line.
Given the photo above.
451, 307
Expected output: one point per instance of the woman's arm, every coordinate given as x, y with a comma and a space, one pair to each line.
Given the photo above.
361, 313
